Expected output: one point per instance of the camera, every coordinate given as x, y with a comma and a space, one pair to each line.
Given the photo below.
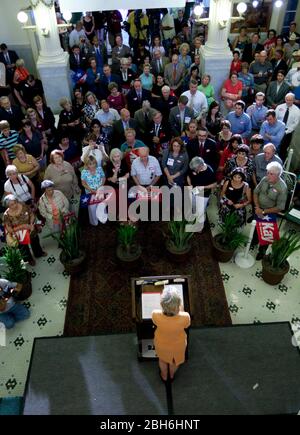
7, 292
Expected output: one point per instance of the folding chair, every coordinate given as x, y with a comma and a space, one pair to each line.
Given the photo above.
289, 213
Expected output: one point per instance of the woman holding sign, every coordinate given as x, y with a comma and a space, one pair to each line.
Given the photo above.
19, 221
170, 339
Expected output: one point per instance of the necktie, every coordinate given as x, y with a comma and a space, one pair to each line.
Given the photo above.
7, 58
158, 66
201, 148
174, 73
286, 116
77, 59
140, 99
146, 118
156, 129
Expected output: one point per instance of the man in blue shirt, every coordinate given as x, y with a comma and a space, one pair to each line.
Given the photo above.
239, 120
257, 112
272, 130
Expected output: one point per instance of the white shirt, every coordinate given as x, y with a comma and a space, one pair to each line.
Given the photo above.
168, 21
199, 102
293, 119
20, 190
87, 151
145, 174
75, 36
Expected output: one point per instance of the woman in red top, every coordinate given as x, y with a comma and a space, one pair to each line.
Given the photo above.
116, 99
236, 64
230, 151
231, 91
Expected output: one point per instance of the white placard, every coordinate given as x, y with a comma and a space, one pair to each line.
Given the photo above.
295, 213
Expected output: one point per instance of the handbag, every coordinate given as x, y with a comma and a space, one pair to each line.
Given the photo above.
11, 240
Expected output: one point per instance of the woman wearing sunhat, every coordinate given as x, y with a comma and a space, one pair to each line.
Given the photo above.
53, 205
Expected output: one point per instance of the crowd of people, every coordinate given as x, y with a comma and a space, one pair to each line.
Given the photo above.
148, 114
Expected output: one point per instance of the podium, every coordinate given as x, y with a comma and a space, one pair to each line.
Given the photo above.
145, 293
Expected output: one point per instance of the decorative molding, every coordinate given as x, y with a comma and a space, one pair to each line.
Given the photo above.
48, 3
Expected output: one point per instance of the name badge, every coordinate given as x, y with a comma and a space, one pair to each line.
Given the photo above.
170, 162
187, 119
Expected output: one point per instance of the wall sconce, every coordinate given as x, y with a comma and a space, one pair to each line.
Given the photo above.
241, 8
198, 11
22, 17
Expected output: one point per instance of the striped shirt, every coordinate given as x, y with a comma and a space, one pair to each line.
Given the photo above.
7, 143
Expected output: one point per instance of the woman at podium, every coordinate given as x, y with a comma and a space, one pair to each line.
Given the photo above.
170, 339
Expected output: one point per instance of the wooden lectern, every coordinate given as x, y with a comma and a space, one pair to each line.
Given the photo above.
145, 293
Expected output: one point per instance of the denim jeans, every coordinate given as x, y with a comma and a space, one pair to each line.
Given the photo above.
17, 313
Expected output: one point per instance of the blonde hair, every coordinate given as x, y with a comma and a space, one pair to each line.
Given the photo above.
114, 152
63, 101
184, 45
20, 62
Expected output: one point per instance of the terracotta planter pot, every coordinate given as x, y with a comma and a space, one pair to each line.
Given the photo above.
129, 256
221, 254
73, 267
26, 289
270, 275
176, 255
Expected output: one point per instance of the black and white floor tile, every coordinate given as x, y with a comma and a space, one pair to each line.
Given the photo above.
250, 300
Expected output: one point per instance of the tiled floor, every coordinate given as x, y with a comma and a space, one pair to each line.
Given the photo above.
249, 298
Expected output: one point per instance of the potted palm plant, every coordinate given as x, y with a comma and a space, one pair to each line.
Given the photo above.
14, 270
178, 240
71, 256
229, 239
275, 265
128, 249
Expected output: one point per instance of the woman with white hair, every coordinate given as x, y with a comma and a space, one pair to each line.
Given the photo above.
17, 218
19, 185
170, 339
116, 168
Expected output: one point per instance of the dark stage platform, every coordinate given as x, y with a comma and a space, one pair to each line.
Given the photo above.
245, 369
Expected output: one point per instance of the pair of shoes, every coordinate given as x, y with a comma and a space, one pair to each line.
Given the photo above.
260, 256
250, 219
32, 262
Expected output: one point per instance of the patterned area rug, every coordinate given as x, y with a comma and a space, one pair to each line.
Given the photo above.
100, 298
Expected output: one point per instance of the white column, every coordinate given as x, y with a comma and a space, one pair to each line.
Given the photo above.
217, 55
53, 62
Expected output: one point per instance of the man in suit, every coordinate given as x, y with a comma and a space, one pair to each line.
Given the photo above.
251, 48
144, 118
136, 96
9, 58
11, 114
175, 74
205, 148
98, 51
158, 63
165, 103
77, 60
180, 116
119, 127
106, 78
196, 48
178, 22
277, 90
158, 135
278, 64
119, 50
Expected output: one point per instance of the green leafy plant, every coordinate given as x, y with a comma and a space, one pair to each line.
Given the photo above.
68, 238
178, 237
281, 249
127, 236
230, 237
12, 265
